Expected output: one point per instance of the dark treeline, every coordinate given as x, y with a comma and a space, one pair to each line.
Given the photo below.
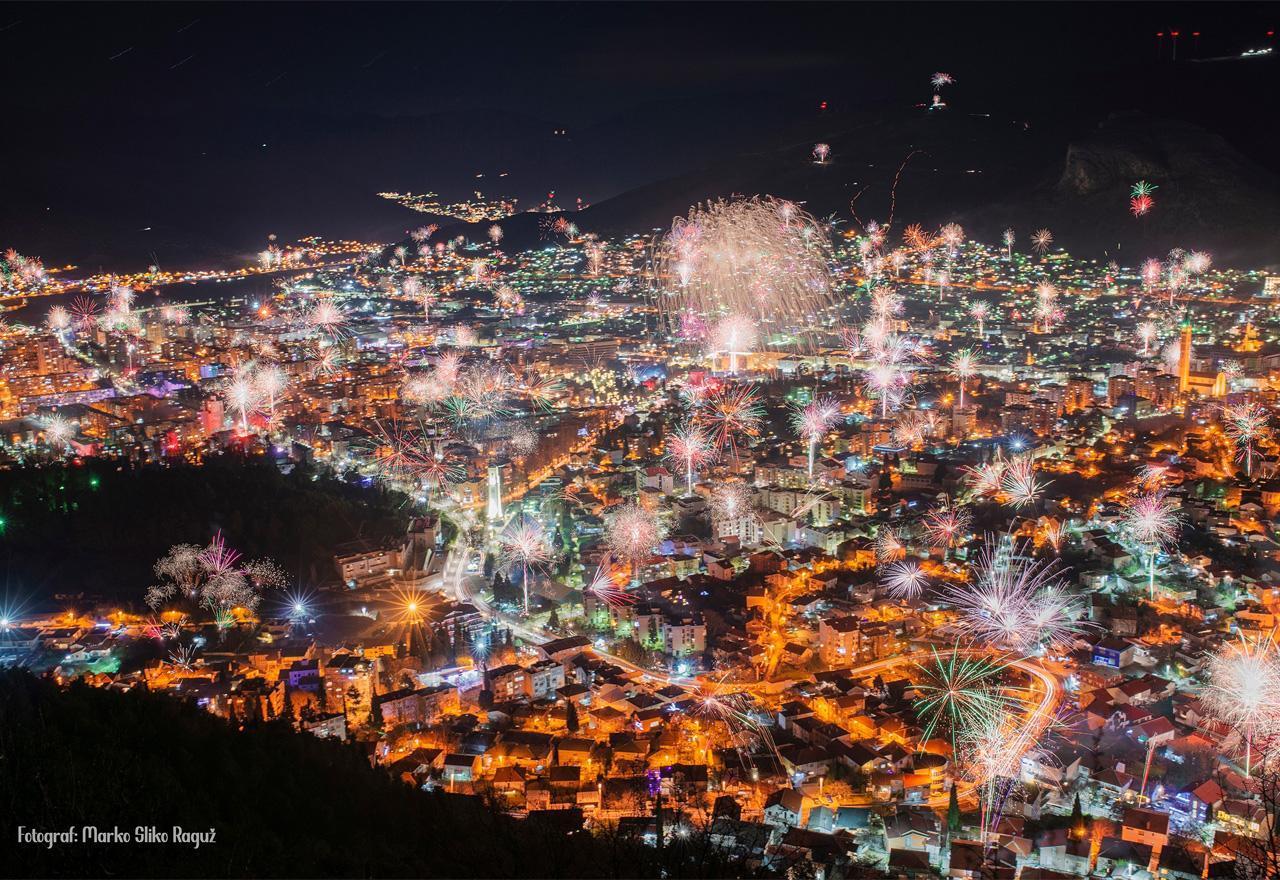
98, 526
284, 804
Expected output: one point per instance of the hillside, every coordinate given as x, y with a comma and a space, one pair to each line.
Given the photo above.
988, 172
283, 804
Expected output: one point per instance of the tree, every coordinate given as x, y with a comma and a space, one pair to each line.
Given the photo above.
571, 717
1079, 828
953, 811
553, 619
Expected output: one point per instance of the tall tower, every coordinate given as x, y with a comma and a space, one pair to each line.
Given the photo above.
494, 507
1184, 356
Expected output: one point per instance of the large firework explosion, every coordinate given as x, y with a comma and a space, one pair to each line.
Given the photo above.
1244, 688
1015, 603
760, 260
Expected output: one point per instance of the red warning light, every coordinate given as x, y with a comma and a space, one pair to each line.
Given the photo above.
822, 106
1173, 33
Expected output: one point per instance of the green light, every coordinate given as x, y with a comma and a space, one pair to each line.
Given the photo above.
94, 481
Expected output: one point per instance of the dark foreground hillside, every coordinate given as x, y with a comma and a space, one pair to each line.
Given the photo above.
283, 804
97, 526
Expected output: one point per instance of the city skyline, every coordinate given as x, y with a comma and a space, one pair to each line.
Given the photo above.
882, 483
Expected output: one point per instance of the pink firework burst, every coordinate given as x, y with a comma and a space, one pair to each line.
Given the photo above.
632, 533
945, 523
692, 447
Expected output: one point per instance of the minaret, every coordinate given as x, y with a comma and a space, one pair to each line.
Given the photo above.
1184, 357
494, 507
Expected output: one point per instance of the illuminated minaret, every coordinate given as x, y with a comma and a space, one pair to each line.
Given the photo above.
495, 493
1184, 356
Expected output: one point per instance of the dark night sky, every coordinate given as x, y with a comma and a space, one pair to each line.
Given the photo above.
216, 124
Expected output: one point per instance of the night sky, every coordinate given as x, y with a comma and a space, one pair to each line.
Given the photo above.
215, 125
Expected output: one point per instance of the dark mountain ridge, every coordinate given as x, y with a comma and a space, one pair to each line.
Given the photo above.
987, 172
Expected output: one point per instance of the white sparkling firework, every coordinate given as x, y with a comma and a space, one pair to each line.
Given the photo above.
1244, 687
889, 546
762, 259
903, 579
1019, 485
632, 533
1015, 603
524, 545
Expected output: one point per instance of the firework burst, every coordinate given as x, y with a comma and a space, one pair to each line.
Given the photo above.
524, 545
957, 693
212, 577
730, 502
632, 533
813, 420
1246, 424
1151, 520
1015, 604
605, 585
692, 447
963, 365
1244, 687
903, 580
762, 259
945, 523
1019, 485
889, 546
732, 413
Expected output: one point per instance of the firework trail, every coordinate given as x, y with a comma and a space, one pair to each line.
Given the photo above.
813, 420
1151, 520
524, 545
1246, 424
692, 447
1244, 688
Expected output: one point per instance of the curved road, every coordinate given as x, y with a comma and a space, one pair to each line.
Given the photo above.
452, 580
